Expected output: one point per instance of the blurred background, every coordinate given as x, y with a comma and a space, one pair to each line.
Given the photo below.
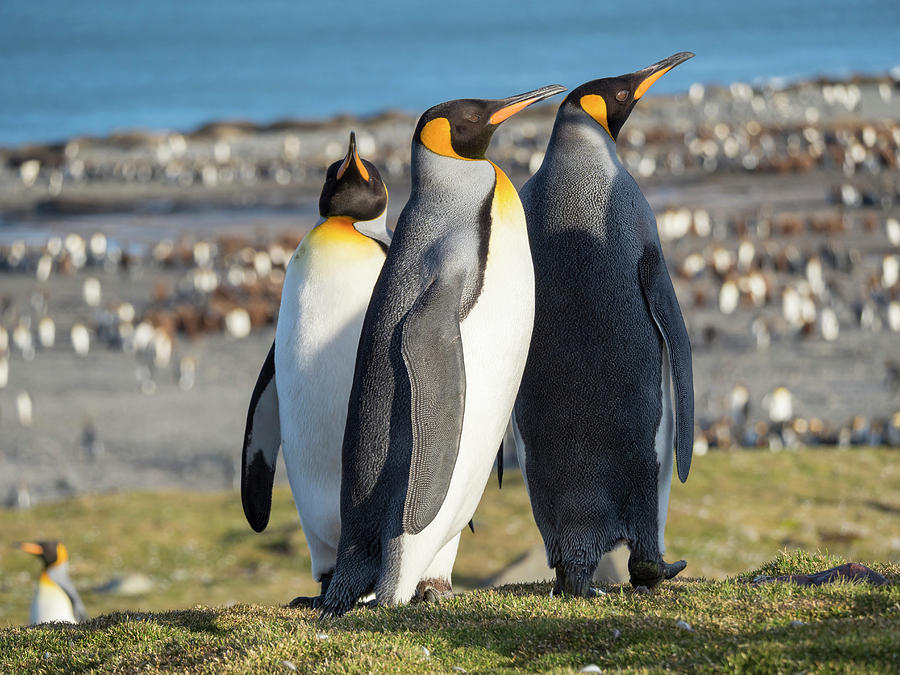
159, 163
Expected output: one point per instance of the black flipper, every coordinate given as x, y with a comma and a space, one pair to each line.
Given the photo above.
262, 441
660, 296
500, 467
432, 351
472, 526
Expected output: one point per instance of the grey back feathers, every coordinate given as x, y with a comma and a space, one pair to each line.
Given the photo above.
590, 402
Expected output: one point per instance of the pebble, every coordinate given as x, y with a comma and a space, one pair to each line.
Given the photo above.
289, 665
683, 625
797, 624
321, 636
591, 668
426, 652
616, 633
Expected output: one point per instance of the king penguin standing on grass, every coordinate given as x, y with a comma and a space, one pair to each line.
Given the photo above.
300, 398
55, 598
440, 359
607, 393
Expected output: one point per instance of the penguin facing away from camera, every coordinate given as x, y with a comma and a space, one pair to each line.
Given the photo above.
300, 399
55, 598
440, 358
607, 392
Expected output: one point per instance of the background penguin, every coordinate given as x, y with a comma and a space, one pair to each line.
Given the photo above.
300, 398
439, 362
55, 598
596, 417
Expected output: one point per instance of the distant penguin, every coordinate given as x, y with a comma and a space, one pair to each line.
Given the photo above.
300, 399
607, 393
439, 362
55, 598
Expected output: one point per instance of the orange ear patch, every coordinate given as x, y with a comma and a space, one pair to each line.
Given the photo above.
645, 85
435, 136
595, 106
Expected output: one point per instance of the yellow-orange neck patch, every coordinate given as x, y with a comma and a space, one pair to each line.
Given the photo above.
645, 85
595, 106
435, 136
506, 200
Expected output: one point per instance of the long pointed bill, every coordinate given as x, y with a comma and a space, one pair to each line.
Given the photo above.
353, 156
33, 549
652, 73
514, 104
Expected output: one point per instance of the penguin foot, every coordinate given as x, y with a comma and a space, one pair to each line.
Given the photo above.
646, 573
673, 569
574, 580
433, 590
307, 602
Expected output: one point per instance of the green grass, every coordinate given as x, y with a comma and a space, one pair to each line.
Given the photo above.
737, 511
734, 627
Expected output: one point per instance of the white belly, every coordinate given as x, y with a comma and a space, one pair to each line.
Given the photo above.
50, 603
322, 309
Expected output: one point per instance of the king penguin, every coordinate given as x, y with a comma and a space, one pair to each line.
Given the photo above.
607, 392
55, 598
439, 362
300, 399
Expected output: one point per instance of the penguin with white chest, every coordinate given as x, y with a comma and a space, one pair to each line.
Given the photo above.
440, 358
56, 598
300, 399
607, 392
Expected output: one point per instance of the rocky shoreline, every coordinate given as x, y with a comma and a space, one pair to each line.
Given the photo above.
157, 259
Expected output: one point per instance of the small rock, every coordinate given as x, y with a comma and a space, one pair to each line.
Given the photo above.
128, 585
289, 665
641, 590
47, 656
683, 625
591, 668
797, 624
426, 652
321, 636
616, 633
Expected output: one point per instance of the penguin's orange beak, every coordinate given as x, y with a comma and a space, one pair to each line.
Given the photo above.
353, 157
651, 74
510, 106
33, 549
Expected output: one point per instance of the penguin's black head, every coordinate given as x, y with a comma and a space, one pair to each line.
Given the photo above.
353, 188
610, 100
463, 128
51, 552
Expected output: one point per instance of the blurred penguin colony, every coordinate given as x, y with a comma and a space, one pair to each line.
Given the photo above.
778, 210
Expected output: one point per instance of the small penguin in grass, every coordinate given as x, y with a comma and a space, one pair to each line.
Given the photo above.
300, 399
55, 598
607, 392
440, 358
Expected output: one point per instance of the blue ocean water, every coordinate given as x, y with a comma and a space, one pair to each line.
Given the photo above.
69, 67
